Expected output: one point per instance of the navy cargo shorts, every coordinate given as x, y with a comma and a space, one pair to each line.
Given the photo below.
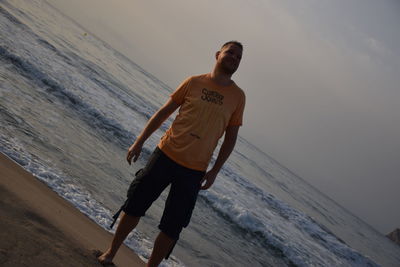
151, 181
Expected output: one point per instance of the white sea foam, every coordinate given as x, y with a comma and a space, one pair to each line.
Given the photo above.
297, 236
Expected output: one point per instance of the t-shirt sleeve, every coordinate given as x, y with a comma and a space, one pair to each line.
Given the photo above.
237, 116
178, 96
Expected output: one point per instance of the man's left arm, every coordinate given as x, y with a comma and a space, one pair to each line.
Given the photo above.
226, 149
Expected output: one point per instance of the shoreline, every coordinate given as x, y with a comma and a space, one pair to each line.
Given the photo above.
42, 229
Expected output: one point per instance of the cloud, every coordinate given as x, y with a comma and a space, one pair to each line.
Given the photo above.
377, 46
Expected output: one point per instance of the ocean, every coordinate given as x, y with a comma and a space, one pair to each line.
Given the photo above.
71, 105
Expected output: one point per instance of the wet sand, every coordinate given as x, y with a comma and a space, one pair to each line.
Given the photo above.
39, 228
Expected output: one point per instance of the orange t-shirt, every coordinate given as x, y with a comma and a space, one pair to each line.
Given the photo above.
206, 109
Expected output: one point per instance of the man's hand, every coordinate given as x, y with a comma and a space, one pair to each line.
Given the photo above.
231, 133
153, 124
134, 152
209, 179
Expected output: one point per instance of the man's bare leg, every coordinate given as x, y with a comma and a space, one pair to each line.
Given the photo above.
162, 246
125, 226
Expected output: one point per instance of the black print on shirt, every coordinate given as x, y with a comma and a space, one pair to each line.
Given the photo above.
212, 96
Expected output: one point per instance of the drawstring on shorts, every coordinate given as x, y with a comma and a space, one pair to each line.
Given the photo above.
115, 217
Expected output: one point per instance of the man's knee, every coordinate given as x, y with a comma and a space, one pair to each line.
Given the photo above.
131, 218
172, 231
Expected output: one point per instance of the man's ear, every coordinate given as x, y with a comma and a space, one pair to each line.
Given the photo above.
217, 54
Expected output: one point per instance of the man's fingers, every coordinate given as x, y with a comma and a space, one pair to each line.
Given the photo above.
132, 156
133, 153
205, 186
129, 157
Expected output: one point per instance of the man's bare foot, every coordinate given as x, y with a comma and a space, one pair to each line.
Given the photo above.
104, 258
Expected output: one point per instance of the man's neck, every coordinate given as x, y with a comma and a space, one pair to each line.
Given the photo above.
221, 78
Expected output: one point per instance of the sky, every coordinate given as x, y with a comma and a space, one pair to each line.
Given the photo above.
321, 80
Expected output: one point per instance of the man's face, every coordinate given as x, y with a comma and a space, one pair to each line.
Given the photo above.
229, 58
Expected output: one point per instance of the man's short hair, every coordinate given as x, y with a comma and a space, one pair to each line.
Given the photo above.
234, 43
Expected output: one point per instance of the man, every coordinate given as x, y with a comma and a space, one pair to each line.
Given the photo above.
209, 106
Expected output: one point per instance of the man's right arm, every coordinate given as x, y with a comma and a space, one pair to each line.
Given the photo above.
153, 124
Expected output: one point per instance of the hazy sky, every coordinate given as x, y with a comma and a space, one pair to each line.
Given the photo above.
321, 78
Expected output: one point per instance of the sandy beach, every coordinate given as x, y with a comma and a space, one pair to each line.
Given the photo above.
39, 228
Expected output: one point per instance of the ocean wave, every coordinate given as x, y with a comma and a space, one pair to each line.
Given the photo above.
110, 129
11, 18
282, 240
25, 59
